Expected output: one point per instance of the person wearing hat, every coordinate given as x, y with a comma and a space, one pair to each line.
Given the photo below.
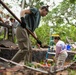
30, 19
61, 53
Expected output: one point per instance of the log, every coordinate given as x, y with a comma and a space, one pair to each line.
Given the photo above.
64, 68
27, 67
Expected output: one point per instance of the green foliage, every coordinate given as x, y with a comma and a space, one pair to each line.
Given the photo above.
71, 72
62, 19
1, 37
74, 59
72, 1
43, 34
59, 20
39, 4
30, 64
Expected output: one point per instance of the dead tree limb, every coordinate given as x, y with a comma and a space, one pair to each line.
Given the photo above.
64, 68
27, 67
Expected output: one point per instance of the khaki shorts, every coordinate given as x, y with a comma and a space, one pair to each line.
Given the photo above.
61, 59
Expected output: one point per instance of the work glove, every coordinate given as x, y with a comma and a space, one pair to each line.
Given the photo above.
23, 24
39, 42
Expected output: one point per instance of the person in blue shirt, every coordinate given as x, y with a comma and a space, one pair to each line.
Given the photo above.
30, 19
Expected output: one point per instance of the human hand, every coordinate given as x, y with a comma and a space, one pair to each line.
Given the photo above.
39, 43
23, 24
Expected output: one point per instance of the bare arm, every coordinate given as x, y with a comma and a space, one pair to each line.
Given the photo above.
25, 11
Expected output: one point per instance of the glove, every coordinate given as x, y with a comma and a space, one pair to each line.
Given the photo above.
23, 24
39, 42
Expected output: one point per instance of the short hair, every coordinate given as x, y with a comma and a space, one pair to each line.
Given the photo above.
45, 7
58, 38
11, 19
7, 15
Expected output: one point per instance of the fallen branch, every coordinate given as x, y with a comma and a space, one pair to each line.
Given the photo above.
64, 68
27, 67
39, 70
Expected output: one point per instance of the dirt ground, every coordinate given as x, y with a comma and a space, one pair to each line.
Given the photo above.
63, 73
21, 71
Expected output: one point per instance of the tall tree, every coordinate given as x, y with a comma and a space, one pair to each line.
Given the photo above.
63, 18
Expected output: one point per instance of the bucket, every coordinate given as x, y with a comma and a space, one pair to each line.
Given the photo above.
68, 47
